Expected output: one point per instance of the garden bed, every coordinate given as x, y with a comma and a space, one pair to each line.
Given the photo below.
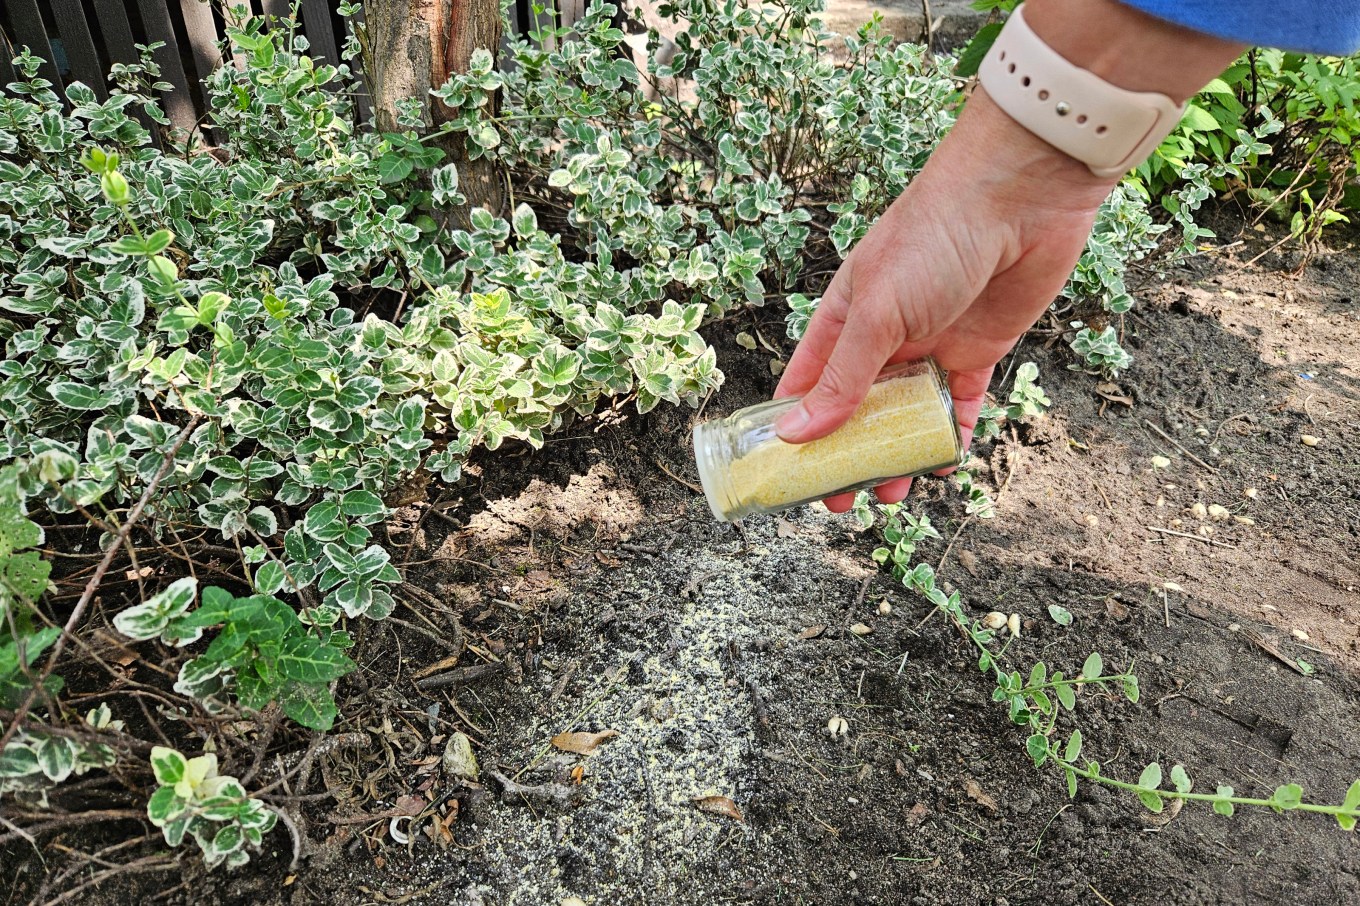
593, 575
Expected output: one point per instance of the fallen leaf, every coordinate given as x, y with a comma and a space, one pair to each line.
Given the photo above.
582, 743
812, 631
784, 528
916, 814
719, 805
1116, 610
776, 367
978, 795
410, 805
608, 561
1114, 393
578, 774
745, 340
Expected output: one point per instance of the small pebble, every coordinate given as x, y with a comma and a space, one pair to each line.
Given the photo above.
1309, 440
884, 608
1244, 520
1092, 520
1199, 511
1218, 513
1172, 586
861, 629
1299, 634
1160, 462
1234, 627
1250, 493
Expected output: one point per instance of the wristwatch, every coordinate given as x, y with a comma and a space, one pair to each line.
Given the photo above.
1108, 128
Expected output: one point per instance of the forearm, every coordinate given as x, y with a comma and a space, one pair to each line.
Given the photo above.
1129, 48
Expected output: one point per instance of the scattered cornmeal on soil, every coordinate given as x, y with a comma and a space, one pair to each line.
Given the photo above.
900, 429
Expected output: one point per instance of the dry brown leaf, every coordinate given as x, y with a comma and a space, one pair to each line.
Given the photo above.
784, 528
916, 814
812, 631
578, 774
719, 805
410, 805
978, 795
1116, 610
437, 666
1114, 393
582, 743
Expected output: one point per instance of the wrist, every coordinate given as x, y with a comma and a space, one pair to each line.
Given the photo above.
1130, 49
1019, 166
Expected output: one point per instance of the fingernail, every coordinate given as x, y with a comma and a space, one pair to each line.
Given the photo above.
792, 423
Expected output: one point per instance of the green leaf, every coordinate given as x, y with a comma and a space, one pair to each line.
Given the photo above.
168, 765
164, 806
977, 48
1093, 667
163, 270
393, 167
1151, 778
56, 757
307, 660
310, 706
1152, 800
158, 242
1037, 748
78, 396
1131, 688
1180, 779
1351, 803
1287, 797
362, 503
1221, 805
1071, 783
323, 522
1067, 697
1197, 119
1073, 750
1061, 615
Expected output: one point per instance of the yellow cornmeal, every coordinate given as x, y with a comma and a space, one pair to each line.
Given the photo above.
899, 429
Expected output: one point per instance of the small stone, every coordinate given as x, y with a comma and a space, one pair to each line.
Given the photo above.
1244, 520
1013, 625
1202, 432
838, 727
458, 760
1172, 586
1270, 608
1299, 634
1218, 513
1199, 511
1234, 627
884, 608
994, 620
1309, 440
1161, 501
1177, 523
1250, 493
861, 629
1092, 520
1160, 462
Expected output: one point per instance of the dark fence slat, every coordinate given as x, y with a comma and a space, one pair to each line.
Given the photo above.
316, 22
29, 31
179, 104
79, 44
116, 30
202, 31
362, 106
6, 68
281, 9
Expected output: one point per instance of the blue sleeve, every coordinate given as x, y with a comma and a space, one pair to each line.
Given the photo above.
1316, 26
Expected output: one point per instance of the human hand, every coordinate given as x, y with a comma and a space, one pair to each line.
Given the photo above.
968, 258
961, 265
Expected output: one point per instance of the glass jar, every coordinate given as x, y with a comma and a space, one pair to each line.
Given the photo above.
905, 426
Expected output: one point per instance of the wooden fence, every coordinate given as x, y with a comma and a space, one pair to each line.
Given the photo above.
82, 39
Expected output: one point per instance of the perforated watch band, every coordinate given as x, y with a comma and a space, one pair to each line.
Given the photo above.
1106, 127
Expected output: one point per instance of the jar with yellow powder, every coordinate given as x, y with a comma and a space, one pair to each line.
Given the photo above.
905, 426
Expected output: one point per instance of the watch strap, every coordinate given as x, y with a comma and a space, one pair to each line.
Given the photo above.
1108, 128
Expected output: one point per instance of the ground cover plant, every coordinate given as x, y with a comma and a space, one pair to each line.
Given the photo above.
223, 366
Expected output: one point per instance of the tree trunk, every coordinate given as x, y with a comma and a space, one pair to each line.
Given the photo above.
412, 46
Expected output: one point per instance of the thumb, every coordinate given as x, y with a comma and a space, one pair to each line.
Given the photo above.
871, 332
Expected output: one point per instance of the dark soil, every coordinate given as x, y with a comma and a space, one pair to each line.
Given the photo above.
597, 580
